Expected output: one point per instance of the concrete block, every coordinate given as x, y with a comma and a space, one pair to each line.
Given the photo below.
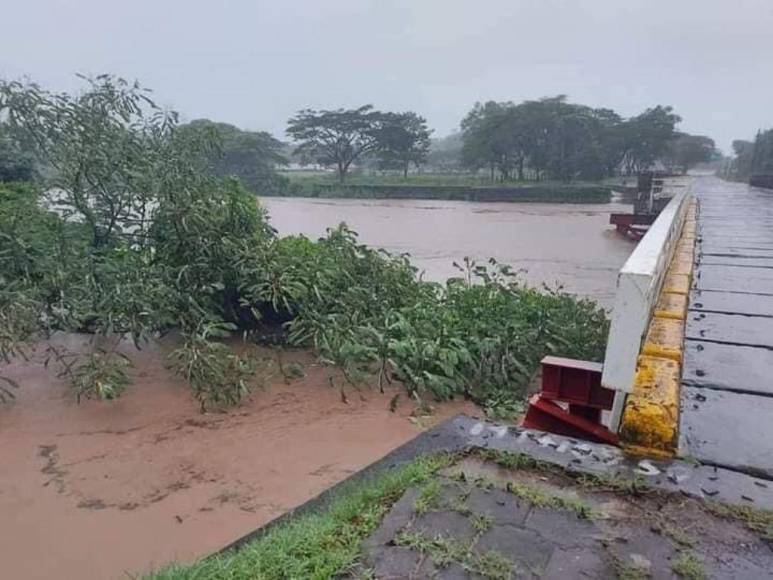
651, 417
671, 306
665, 338
676, 283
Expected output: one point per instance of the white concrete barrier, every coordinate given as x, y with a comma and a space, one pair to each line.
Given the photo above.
638, 287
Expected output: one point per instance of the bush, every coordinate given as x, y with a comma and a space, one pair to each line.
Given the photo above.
151, 242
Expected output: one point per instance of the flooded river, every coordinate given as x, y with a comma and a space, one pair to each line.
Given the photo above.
567, 244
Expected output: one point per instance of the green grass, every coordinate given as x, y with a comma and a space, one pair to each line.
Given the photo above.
688, 566
428, 497
537, 496
759, 521
446, 551
316, 545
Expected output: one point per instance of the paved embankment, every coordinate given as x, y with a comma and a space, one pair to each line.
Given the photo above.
727, 376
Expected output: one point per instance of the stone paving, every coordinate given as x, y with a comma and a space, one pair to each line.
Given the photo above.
480, 520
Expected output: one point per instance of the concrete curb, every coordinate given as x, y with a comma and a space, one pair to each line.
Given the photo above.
650, 423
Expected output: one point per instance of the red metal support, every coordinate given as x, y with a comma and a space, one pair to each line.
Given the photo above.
632, 225
571, 401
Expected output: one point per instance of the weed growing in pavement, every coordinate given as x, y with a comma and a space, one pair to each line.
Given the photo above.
688, 566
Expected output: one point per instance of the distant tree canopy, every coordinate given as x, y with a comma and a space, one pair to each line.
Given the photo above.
554, 139
753, 157
338, 137
445, 153
250, 156
16, 164
646, 137
742, 162
686, 151
403, 139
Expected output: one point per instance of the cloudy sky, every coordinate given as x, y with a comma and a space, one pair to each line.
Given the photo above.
254, 63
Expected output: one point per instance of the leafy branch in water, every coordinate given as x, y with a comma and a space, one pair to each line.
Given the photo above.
218, 377
101, 374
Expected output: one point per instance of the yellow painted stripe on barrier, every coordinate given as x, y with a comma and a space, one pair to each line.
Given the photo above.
680, 265
651, 416
671, 306
664, 338
677, 284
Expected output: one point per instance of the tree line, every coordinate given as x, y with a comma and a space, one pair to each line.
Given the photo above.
753, 157
545, 139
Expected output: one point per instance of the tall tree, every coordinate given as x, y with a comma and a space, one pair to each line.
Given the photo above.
16, 164
551, 137
404, 139
686, 151
744, 155
762, 153
647, 137
486, 132
338, 137
104, 147
445, 153
250, 156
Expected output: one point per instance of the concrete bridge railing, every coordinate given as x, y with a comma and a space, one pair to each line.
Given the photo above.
639, 284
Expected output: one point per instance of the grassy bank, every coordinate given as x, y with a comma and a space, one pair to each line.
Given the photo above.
459, 187
317, 545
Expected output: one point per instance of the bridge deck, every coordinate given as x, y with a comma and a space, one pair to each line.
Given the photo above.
727, 376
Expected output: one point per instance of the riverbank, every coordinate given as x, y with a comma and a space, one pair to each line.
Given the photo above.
109, 488
568, 244
493, 193
448, 187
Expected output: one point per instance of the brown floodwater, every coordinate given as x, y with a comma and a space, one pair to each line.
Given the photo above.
114, 489
568, 244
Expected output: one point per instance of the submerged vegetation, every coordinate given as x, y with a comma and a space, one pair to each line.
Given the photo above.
130, 235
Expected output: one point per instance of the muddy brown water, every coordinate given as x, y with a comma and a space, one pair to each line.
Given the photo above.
114, 489
555, 243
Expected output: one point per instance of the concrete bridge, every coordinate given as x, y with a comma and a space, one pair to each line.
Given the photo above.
688, 370
690, 353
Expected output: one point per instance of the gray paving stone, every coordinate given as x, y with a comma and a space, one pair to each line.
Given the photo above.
563, 528
730, 328
399, 517
736, 261
453, 572
731, 302
643, 545
526, 548
708, 247
396, 562
729, 429
734, 567
749, 280
576, 564
728, 367
446, 524
503, 507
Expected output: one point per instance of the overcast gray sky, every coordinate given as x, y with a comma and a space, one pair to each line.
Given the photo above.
254, 63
